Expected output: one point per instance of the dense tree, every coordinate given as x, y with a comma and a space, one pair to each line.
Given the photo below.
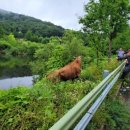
12, 39
105, 17
1, 31
122, 40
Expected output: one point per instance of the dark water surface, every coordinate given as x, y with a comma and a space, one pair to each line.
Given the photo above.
15, 72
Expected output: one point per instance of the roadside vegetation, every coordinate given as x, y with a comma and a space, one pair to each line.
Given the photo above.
40, 106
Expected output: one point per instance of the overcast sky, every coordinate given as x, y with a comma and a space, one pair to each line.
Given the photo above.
60, 12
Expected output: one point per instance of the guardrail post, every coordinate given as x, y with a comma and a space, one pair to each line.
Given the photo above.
105, 73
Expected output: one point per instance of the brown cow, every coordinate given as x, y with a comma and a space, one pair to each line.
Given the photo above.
68, 72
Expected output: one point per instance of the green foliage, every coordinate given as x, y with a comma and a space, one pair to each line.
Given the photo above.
12, 47
4, 45
1, 31
104, 19
120, 116
56, 61
91, 72
44, 53
28, 35
122, 40
75, 47
12, 39
42, 56
113, 63
18, 111
40, 106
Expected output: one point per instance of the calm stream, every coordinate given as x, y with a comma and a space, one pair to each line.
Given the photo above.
15, 72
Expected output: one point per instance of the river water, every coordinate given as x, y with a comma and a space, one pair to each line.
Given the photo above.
16, 81
15, 72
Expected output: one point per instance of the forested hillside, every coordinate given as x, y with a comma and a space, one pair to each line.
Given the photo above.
27, 27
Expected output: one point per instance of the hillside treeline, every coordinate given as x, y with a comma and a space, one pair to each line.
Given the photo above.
27, 27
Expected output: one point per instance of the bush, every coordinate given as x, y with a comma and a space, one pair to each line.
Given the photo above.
4, 45
113, 63
91, 72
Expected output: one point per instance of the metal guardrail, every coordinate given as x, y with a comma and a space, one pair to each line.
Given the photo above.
90, 113
73, 114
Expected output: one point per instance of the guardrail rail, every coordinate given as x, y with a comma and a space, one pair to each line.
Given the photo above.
98, 93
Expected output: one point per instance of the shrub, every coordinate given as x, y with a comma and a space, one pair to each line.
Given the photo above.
91, 72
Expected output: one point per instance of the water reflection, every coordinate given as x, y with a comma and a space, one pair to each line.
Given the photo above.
14, 82
15, 67
15, 72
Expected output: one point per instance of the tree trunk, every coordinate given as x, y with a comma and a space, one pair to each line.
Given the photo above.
97, 55
110, 48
